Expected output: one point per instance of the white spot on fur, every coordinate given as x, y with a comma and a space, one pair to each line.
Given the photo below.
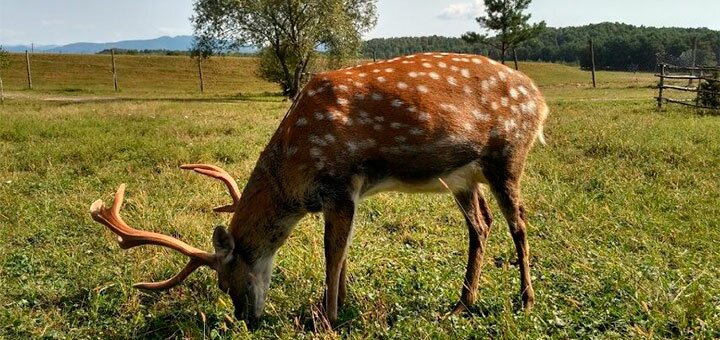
311, 93
476, 61
397, 103
413, 74
400, 139
377, 96
423, 116
514, 109
376, 70
389, 70
514, 93
315, 152
416, 131
360, 96
480, 116
351, 146
434, 75
467, 89
442, 65
452, 81
319, 115
362, 75
510, 125
502, 75
291, 151
377, 127
465, 73
402, 86
412, 109
494, 106
381, 79
449, 107
423, 89
396, 125
301, 121
523, 90
504, 101
427, 65
485, 85
343, 101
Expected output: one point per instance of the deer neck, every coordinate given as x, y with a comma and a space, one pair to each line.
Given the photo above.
266, 212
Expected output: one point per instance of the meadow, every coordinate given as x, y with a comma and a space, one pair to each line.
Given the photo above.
622, 203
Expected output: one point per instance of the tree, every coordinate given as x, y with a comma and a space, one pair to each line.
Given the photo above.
4, 62
506, 17
289, 32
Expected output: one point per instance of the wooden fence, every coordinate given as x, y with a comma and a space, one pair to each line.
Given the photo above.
674, 78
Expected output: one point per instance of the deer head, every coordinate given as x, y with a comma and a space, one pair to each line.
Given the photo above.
247, 288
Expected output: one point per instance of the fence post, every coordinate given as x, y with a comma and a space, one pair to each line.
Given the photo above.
660, 86
114, 71
200, 74
592, 58
694, 60
29, 74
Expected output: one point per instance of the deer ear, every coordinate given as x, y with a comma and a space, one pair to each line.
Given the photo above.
222, 241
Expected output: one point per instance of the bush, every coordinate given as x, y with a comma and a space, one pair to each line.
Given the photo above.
710, 97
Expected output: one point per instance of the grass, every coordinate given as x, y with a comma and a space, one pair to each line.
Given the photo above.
623, 204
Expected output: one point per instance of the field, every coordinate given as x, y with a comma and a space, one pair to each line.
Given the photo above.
623, 207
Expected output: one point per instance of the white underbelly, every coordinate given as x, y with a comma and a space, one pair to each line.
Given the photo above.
458, 180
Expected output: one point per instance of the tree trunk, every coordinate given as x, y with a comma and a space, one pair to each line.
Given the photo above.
503, 49
2, 91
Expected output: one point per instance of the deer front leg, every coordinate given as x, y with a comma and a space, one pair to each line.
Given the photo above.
342, 287
478, 220
339, 216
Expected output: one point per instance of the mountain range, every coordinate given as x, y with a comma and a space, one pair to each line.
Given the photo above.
177, 43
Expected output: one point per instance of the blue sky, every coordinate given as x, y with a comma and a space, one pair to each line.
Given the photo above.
66, 21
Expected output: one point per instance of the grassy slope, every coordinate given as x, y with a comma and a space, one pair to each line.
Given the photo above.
623, 207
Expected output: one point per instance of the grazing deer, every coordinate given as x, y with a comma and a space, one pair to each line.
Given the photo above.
420, 123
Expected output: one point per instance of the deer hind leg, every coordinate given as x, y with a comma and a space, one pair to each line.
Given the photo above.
507, 192
478, 218
339, 215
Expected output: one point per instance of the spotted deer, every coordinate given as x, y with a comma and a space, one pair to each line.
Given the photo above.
431, 122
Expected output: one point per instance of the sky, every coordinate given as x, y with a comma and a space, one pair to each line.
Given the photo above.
66, 21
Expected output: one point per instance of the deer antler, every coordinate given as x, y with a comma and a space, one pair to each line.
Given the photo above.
218, 173
129, 237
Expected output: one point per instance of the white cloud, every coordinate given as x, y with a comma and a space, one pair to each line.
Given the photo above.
462, 11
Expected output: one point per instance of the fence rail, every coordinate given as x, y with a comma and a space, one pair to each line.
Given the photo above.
678, 73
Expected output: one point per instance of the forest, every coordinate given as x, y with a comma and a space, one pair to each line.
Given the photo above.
619, 47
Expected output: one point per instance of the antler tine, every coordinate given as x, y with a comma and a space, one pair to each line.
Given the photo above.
173, 281
224, 176
129, 237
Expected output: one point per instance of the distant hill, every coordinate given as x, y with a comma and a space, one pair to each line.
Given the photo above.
178, 43
23, 48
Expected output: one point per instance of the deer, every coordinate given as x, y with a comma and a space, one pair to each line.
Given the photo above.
432, 122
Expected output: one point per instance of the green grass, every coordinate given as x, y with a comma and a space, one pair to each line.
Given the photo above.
623, 204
